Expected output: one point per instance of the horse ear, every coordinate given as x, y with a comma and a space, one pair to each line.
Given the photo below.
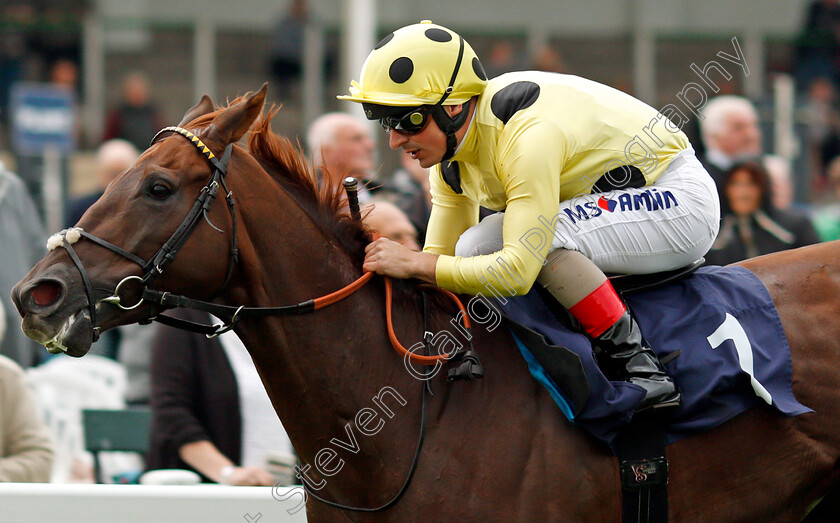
204, 106
235, 121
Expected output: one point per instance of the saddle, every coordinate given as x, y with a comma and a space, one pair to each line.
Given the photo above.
733, 356
560, 370
632, 283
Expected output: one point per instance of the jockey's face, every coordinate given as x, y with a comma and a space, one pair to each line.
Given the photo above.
429, 145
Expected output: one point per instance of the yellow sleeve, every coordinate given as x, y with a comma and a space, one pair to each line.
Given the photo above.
452, 214
530, 160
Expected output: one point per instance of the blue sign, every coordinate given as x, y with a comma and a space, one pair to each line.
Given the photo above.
43, 116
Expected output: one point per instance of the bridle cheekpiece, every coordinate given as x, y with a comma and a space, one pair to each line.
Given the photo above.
155, 266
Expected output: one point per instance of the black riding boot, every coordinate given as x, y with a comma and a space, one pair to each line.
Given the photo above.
622, 355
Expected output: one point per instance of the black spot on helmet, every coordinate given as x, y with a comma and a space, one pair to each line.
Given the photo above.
401, 69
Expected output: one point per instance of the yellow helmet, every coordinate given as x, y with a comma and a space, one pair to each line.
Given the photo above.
420, 64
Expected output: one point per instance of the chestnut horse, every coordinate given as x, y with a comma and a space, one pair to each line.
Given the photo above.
496, 449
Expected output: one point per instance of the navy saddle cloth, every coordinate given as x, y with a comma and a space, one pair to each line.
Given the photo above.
733, 354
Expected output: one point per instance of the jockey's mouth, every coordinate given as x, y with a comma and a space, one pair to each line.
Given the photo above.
414, 153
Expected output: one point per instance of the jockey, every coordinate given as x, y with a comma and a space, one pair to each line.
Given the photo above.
588, 180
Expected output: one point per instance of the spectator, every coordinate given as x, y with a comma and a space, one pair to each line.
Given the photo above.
821, 141
827, 216
751, 225
26, 451
136, 118
134, 351
820, 113
65, 73
502, 59
389, 221
782, 188
210, 411
287, 47
817, 43
23, 244
730, 133
112, 159
781, 184
14, 51
408, 189
547, 58
63, 77
341, 146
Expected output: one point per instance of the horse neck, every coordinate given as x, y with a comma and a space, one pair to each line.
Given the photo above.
318, 368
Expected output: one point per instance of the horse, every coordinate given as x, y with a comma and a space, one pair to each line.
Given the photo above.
492, 449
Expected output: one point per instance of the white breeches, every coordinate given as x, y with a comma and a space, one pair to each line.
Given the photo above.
666, 225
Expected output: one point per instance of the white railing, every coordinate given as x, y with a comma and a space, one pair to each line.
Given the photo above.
75, 503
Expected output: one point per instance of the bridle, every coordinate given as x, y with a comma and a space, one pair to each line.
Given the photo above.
155, 266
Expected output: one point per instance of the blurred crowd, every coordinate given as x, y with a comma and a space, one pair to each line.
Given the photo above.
209, 411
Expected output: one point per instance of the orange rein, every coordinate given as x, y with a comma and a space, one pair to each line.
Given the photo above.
423, 360
340, 294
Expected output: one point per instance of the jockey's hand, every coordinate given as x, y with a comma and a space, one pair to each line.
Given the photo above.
389, 258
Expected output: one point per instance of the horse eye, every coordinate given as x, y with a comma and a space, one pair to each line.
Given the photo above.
159, 191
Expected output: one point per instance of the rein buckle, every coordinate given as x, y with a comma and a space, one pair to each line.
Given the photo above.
221, 329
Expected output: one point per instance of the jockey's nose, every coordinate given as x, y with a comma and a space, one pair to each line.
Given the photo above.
395, 139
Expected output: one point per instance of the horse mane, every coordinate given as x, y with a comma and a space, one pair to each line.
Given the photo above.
325, 202
286, 163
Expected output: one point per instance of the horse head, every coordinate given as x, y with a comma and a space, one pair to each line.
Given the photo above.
93, 277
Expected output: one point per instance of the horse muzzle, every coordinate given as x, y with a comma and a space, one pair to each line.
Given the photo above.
53, 316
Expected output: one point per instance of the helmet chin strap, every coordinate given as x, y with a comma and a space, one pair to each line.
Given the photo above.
450, 125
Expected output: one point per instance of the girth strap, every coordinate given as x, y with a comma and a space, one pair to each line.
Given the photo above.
644, 470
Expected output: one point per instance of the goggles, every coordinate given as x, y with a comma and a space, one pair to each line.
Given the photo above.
409, 123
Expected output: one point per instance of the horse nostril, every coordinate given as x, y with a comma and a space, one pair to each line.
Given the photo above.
45, 293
